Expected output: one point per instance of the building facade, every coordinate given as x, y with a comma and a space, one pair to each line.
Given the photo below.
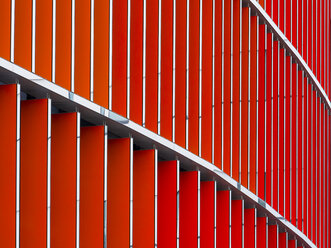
165, 123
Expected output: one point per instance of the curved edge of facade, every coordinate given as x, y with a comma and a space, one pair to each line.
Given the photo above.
40, 87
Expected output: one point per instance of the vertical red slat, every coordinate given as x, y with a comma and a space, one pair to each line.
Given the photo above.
82, 48
287, 136
166, 68
261, 113
207, 215
33, 193
118, 190
218, 86
253, 105
207, 80
273, 236
63, 44
119, 59
8, 111
151, 65
5, 13
261, 229
305, 31
282, 16
188, 212
288, 26
300, 154
227, 70
282, 240
314, 36
180, 85
318, 168
92, 145
143, 197
245, 96
193, 113
292, 243
236, 89
310, 164
314, 164
167, 204
236, 223
63, 179
249, 228
23, 33
44, 38
223, 219
294, 23
101, 53
136, 61
305, 157
293, 171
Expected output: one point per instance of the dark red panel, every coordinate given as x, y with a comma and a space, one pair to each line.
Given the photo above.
5, 7
119, 60
261, 229
188, 212
167, 204
207, 80
236, 223
292, 243
63, 179
33, 194
193, 114
282, 240
249, 228
294, 145
310, 165
305, 157
166, 68
223, 219
314, 166
207, 214
273, 236
92, 158
300, 154
288, 79
8, 111
151, 65
143, 197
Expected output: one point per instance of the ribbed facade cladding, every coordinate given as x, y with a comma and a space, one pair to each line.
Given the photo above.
165, 123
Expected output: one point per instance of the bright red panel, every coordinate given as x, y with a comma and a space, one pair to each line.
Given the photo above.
143, 198
136, 61
180, 86
207, 215
23, 32
300, 154
151, 65
292, 243
310, 165
34, 115
119, 60
207, 80
166, 68
314, 166
63, 44
5, 13
236, 223
63, 179
118, 206
287, 135
193, 114
305, 157
223, 218
293, 172
282, 240
167, 204
101, 53
44, 38
8, 111
188, 211
261, 229
273, 236
92, 145
249, 227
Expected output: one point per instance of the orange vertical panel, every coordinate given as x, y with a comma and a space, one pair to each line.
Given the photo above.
92, 158
63, 179
180, 85
136, 61
167, 204
23, 33
207, 80
44, 38
33, 173
143, 197
227, 129
193, 113
151, 65
218, 86
5, 7
245, 96
101, 53
119, 60
207, 216
8, 111
118, 186
63, 44
166, 68
253, 104
236, 89
82, 48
